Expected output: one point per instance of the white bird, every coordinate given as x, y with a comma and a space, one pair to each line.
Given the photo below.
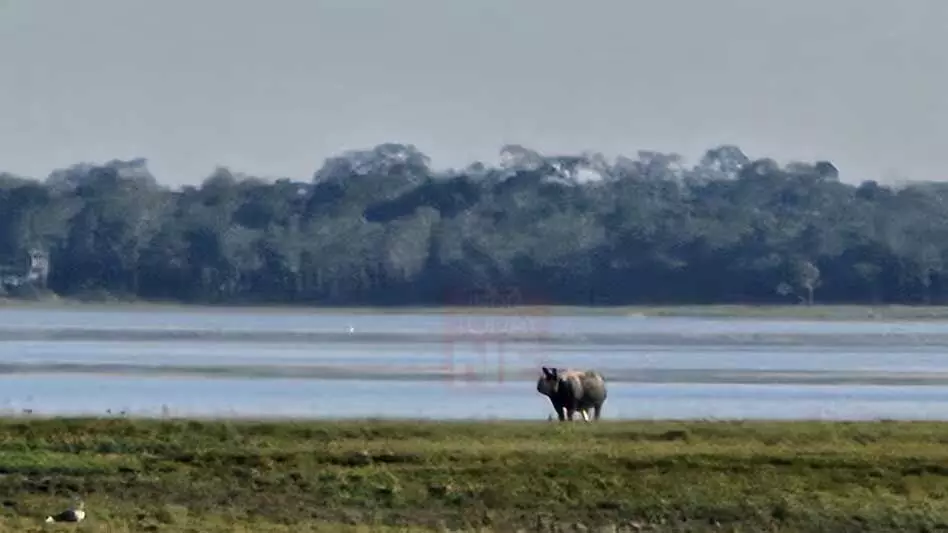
351, 330
73, 514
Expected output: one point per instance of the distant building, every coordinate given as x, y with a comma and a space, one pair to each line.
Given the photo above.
34, 270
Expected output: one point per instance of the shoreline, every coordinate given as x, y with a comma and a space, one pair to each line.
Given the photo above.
481, 424
829, 312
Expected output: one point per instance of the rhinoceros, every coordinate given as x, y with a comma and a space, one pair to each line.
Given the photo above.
573, 390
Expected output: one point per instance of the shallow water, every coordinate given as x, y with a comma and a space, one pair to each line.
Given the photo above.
64, 394
268, 363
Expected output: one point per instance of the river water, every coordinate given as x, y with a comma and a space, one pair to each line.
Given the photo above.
201, 362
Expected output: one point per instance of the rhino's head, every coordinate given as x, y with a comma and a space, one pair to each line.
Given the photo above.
549, 382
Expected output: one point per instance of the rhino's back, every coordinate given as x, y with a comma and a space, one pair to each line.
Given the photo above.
593, 386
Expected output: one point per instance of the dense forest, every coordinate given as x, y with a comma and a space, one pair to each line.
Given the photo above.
381, 227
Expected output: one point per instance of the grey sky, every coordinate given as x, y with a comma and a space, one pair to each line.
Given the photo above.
272, 88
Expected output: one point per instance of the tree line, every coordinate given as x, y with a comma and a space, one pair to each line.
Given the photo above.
381, 227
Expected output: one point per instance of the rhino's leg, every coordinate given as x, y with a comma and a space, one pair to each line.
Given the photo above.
597, 411
561, 413
570, 413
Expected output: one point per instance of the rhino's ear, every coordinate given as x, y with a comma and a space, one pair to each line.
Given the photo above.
549, 373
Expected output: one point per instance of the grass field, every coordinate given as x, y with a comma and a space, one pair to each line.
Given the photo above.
179, 476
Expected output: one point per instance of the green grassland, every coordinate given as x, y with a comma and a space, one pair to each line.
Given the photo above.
280, 476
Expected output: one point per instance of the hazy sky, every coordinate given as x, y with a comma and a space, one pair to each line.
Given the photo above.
273, 87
